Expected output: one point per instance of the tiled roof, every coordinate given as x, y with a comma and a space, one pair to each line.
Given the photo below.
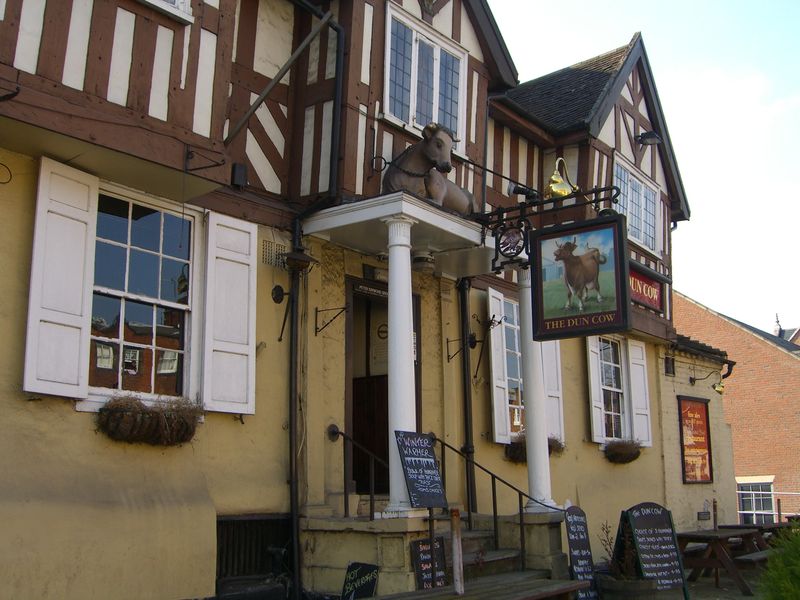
566, 100
684, 342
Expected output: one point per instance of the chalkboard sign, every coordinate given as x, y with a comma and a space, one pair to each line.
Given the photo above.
427, 576
360, 581
425, 488
581, 566
656, 548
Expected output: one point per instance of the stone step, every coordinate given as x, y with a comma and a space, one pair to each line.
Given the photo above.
491, 562
520, 585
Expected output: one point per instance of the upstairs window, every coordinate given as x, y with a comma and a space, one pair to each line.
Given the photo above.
425, 76
638, 201
180, 10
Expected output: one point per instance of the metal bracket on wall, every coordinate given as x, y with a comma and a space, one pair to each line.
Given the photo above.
317, 327
493, 322
472, 341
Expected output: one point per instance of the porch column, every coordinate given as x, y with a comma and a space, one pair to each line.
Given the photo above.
402, 405
535, 402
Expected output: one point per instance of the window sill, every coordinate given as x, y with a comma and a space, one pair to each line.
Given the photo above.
173, 12
416, 131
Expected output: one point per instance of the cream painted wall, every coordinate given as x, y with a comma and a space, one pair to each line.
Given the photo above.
686, 500
86, 517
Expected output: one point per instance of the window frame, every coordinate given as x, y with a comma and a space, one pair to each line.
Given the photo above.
659, 243
421, 30
193, 320
762, 495
551, 369
636, 423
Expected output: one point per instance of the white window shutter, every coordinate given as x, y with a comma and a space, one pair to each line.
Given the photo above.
595, 393
640, 398
501, 422
62, 276
551, 367
229, 347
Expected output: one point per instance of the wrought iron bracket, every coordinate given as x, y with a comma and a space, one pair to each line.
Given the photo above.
519, 218
317, 311
472, 342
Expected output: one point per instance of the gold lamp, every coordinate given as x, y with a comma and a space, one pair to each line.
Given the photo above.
559, 185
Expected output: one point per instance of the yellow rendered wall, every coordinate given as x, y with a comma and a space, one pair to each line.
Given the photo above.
85, 517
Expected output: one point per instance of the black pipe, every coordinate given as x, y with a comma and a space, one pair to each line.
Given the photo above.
466, 380
294, 497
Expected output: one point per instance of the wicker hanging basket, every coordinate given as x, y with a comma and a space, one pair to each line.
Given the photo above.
168, 423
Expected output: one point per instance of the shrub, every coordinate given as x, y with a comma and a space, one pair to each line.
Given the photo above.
781, 578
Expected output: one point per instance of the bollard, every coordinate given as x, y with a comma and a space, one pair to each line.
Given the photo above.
458, 559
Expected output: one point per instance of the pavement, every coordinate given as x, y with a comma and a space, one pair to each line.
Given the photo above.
704, 588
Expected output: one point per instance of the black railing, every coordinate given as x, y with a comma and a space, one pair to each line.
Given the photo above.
474, 501
333, 434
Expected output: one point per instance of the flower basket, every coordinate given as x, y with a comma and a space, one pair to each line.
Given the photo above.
517, 451
555, 446
168, 423
621, 452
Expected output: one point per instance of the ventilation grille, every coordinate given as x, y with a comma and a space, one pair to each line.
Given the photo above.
273, 254
252, 546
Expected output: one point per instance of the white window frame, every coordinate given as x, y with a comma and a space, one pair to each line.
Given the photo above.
180, 10
219, 363
636, 424
639, 222
762, 494
421, 30
498, 351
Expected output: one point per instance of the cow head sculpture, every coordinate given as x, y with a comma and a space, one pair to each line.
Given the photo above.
437, 146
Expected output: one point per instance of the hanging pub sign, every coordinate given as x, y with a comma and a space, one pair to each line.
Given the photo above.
645, 291
579, 278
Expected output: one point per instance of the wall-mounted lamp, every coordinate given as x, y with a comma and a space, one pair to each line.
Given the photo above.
718, 387
298, 260
648, 138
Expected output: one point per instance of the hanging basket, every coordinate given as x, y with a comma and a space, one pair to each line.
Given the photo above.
621, 452
168, 423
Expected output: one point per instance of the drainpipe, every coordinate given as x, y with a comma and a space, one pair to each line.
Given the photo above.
295, 274
466, 381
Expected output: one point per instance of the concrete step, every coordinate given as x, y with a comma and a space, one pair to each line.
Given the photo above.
520, 585
491, 562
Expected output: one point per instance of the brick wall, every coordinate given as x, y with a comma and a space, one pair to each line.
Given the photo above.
761, 399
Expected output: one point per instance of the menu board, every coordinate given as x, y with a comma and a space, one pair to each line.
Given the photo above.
425, 488
656, 546
581, 566
427, 574
360, 581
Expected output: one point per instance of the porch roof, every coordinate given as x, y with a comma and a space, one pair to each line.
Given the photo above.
456, 244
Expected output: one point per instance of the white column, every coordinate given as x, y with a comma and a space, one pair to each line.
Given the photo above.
402, 405
535, 402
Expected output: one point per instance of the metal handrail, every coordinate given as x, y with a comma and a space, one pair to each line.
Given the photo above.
495, 478
333, 434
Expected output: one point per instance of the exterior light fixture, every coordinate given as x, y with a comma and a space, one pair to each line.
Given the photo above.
299, 260
718, 387
648, 138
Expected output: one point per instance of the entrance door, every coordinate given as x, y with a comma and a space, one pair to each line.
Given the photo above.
368, 368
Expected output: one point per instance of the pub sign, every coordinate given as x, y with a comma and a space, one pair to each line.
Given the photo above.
646, 291
579, 278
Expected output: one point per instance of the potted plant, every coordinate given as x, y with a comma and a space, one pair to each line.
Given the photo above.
517, 450
621, 452
165, 423
618, 578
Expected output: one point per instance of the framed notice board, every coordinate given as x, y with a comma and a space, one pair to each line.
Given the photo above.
695, 440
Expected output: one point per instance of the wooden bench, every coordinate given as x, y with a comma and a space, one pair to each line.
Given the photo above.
753, 558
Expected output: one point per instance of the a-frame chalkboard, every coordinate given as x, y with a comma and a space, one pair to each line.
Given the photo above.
649, 528
425, 487
581, 566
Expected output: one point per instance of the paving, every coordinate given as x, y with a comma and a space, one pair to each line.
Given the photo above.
704, 588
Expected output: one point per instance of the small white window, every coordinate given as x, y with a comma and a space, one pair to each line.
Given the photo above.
638, 201
425, 75
756, 502
620, 403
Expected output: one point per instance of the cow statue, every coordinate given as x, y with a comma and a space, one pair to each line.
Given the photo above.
419, 169
581, 273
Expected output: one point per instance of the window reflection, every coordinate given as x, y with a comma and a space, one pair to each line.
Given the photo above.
137, 369
109, 266
145, 228
112, 219
174, 281
105, 316
169, 328
143, 276
103, 364
138, 322
177, 234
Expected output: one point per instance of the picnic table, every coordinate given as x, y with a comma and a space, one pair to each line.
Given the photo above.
717, 552
762, 529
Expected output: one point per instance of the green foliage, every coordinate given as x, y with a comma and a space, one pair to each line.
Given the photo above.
781, 579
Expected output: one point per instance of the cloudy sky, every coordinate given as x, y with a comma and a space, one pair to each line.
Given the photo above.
728, 76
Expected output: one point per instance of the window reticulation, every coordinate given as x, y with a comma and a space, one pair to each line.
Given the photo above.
637, 201
141, 298
425, 79
513, 367
611, 386
755, 503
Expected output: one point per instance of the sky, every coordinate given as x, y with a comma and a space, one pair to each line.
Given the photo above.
728, 78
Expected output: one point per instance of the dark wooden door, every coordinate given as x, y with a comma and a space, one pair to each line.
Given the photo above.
371, 430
